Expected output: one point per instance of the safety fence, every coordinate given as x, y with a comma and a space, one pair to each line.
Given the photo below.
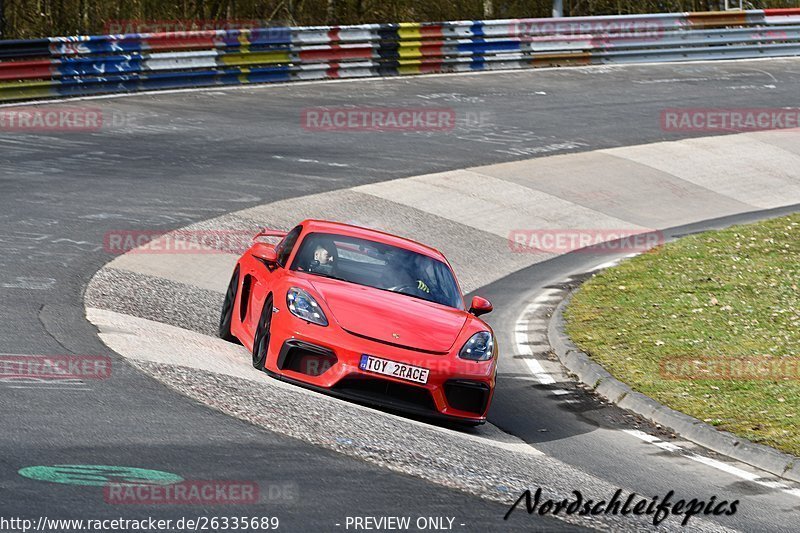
89, 65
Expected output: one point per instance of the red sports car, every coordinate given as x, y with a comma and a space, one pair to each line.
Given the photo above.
362, 314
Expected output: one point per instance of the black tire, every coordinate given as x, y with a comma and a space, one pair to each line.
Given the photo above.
228, 305
261, 339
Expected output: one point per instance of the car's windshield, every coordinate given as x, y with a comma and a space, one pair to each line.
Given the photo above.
378, 265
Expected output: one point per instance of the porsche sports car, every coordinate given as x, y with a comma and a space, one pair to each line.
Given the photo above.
362, 314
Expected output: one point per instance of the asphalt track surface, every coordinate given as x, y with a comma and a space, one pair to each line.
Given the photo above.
179, 158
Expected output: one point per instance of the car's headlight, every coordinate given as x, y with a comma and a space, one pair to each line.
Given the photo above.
479, 347
303, 305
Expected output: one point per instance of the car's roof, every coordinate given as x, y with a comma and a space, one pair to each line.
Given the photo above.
326, 226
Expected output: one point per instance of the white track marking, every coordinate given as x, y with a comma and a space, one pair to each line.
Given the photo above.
613, 263
730, 469
534, 365
522, 339
713, 463
605, 265
772, 483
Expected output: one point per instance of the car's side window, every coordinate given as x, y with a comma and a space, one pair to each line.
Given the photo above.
284, 249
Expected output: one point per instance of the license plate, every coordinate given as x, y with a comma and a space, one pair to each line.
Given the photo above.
393, 368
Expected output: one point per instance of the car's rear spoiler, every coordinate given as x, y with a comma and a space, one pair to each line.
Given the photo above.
265, 232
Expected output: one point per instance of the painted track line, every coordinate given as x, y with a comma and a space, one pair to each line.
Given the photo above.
523, 348
522, 339
771, 483
613, 262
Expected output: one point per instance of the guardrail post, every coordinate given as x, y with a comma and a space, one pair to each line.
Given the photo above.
104, 64
558, 8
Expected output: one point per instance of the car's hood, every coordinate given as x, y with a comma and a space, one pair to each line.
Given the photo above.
390, 317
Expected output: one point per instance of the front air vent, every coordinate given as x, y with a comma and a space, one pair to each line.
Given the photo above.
244, 300
383, 391
469, 396
306, 358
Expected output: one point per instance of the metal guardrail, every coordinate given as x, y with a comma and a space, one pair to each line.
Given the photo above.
88, 65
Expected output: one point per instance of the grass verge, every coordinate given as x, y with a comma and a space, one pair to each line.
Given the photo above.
708, 325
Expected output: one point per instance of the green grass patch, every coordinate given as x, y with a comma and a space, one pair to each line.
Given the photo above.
729, 295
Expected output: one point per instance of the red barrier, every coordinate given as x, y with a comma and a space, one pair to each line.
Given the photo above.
26, 70
785, 11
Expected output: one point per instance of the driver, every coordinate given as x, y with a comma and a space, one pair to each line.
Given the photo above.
423, 274
403, 271
322, 260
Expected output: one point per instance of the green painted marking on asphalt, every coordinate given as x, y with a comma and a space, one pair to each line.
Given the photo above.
99, 475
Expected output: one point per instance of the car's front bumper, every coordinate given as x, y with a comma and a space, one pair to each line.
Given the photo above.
327, 359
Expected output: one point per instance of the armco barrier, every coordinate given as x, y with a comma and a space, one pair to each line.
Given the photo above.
87, 65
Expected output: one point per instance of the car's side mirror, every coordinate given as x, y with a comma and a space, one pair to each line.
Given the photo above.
480, 306
265, 252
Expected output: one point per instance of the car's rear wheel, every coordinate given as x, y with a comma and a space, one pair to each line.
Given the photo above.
227, 309
261, 339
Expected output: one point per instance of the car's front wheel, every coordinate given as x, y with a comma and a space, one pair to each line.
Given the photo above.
227, 309
261, 339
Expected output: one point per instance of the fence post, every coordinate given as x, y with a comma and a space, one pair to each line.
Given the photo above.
558, 8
